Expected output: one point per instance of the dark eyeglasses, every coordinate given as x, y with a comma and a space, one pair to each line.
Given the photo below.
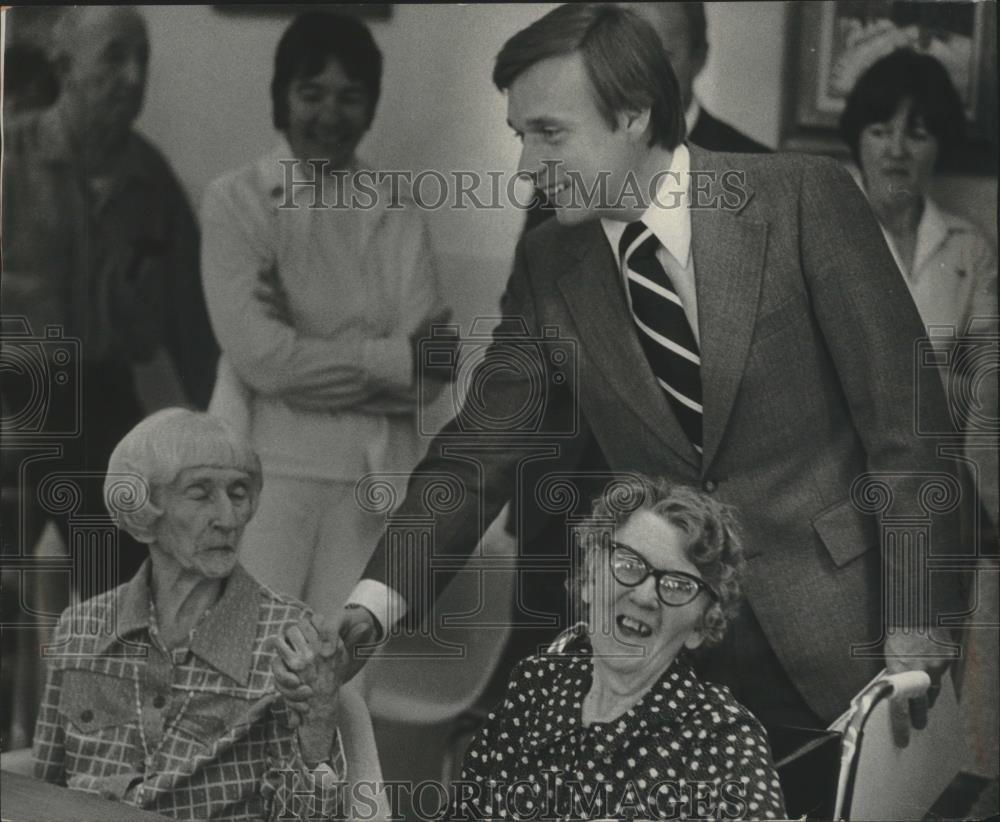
674, 588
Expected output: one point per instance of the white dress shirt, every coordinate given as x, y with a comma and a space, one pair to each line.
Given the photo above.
669, 218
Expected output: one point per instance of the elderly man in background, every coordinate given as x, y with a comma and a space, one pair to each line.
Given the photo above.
684, 32
161, 693
99, 245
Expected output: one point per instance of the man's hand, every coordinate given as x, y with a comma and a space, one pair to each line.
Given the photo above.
307, 672
358, 626
913, 652
441, 348
271, 293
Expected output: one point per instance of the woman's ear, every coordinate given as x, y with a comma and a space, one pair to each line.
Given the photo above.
137, 528
694, 639
697, 635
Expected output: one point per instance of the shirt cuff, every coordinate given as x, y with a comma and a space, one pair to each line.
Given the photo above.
388, 360
386, 605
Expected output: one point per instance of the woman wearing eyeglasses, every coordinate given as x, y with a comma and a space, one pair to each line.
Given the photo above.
613, 721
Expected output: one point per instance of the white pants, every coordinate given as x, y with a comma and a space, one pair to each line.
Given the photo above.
310, 539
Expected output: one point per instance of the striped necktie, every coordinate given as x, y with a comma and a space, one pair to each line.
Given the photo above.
664, 331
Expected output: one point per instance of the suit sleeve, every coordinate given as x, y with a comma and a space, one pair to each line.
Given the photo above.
872, 329
477, 453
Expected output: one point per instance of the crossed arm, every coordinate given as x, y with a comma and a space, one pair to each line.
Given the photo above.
253, 320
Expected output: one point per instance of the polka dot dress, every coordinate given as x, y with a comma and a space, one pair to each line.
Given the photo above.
686, 750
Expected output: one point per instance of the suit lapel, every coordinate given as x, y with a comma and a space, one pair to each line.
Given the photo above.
592, 289
728, 250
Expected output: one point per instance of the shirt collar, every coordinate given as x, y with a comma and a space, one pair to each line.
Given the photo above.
669, 215
692, 114
225, 638
133, 606
932, 230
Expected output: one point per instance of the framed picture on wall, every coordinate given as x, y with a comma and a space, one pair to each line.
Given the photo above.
831, 43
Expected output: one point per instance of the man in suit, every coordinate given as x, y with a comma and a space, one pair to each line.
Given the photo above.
683, 30
745, 331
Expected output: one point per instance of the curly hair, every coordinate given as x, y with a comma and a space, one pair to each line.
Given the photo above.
713, 542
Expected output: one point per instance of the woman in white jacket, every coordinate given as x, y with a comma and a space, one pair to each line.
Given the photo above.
320, 284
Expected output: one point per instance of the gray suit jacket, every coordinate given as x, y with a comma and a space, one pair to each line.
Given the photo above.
807, 335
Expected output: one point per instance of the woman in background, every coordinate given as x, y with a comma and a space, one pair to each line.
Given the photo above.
318, 292
901, 121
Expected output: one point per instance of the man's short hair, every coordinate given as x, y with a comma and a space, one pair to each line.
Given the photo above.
156, 450
905, 75
623, 56
310, 42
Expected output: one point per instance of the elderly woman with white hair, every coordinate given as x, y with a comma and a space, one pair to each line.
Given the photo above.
160, 692
613, 722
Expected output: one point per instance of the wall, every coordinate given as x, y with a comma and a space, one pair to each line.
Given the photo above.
746, 40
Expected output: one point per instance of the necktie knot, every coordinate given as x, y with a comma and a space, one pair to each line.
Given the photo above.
638, 242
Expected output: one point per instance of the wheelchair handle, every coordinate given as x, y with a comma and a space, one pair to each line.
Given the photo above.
909, 684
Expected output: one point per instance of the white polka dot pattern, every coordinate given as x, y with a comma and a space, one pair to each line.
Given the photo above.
687, 749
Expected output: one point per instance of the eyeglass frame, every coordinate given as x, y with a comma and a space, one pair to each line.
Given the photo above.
657, 574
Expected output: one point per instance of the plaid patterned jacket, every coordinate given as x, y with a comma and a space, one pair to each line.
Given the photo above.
193, 732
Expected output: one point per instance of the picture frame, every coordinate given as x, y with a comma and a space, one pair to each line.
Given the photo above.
829, 44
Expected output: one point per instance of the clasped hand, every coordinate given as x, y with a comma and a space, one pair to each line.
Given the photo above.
308, 672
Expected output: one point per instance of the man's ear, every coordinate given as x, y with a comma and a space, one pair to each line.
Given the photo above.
635, 123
